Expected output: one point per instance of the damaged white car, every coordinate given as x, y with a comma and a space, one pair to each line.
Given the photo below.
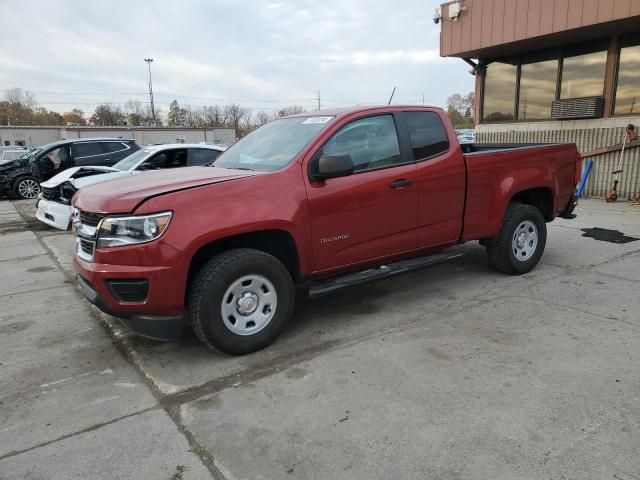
53, 205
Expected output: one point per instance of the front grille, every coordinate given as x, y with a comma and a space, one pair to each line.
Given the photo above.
89, 219
87, 233
87, 246
50, 193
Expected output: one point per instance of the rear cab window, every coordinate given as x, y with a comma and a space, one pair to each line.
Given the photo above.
427, 134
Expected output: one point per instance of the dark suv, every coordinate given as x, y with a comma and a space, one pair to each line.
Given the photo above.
20, 178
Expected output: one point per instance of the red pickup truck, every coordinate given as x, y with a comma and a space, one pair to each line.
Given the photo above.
312, 202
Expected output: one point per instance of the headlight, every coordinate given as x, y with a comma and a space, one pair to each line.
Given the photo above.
118, 231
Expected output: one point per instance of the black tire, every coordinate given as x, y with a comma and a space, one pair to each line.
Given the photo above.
26, 187
211, 285
503, 250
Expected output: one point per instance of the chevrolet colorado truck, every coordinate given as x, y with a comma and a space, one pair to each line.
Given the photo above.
310, 203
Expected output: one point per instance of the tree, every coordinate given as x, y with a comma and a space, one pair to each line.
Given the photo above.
262, 117
213, 116
17, 96
460, 109
175, 118
74, 116
290, 110
19, 107
108, 115
135, 113
233, 114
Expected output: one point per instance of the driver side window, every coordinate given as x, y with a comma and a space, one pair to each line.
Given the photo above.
154, 163
370, 142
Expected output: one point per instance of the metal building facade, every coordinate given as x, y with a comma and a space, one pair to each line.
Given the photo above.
37, 136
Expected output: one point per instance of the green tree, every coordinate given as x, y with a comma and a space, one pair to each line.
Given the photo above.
175, 118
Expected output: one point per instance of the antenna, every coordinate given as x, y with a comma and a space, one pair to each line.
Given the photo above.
391, 97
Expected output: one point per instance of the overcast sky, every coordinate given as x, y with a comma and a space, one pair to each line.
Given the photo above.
261, 54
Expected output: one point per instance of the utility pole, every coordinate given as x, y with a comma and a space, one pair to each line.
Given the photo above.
319, 100
423, 99
153, 111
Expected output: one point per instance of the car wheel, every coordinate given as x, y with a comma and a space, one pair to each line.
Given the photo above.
240, 301
519, 245
26, 187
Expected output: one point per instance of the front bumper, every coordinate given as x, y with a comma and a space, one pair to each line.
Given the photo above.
54, 214
155, 327
159, 316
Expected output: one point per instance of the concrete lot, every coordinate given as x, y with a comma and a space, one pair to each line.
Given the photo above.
456, 372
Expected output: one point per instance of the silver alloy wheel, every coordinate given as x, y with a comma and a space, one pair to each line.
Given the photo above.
525, 240
249, 304
28, 188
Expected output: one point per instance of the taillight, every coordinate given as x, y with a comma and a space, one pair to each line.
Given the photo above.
576, 180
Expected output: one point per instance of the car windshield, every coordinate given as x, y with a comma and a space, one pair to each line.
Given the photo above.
274, 145
31, 154
132, 160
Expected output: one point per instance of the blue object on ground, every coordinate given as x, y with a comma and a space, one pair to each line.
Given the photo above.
585, 175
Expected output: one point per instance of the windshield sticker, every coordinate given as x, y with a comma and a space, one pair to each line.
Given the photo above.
316, 120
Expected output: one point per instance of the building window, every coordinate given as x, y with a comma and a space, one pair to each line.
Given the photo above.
583, 75
628, 91
537, 90
499, 92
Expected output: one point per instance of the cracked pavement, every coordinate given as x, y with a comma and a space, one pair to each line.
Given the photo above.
454, 372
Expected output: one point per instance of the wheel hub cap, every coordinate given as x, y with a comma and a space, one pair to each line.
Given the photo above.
249, 304
525, 240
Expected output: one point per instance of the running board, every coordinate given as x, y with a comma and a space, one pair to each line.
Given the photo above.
336, 283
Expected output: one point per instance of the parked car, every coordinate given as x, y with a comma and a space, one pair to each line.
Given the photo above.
9, 155
318, 201
54, 200
20, 178
466, 135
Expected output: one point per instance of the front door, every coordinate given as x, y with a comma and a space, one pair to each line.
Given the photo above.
371, 213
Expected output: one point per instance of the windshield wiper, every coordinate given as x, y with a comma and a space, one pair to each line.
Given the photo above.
243, 168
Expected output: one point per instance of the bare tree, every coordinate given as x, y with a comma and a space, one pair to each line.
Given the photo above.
213, 115
263, 117
17, 96
290, 110
233, 114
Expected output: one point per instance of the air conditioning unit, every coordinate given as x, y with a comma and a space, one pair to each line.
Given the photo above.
574, 108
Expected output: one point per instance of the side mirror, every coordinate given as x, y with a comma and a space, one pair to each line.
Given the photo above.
331, 166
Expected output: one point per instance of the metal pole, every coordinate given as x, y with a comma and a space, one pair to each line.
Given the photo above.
153, 111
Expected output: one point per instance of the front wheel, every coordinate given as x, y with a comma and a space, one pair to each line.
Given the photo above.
26, 187
519, 245
240, 301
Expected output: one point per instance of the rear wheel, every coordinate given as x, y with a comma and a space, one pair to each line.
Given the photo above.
240, 301
26, 187
519, 245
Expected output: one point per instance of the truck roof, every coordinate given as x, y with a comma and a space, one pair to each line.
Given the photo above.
338, 112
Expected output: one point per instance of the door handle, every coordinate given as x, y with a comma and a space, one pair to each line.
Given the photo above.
400, 183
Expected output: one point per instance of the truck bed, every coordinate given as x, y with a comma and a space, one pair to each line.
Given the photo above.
471, 148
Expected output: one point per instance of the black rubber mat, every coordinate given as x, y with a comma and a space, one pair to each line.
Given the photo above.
602, 234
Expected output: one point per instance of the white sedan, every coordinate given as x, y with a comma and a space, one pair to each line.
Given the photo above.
53, 205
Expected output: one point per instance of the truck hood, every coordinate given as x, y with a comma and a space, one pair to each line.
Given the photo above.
123, 195
76, 173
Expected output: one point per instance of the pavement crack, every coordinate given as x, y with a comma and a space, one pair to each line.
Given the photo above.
79, 432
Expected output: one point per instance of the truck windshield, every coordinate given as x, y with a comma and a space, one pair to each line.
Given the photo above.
274, 145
